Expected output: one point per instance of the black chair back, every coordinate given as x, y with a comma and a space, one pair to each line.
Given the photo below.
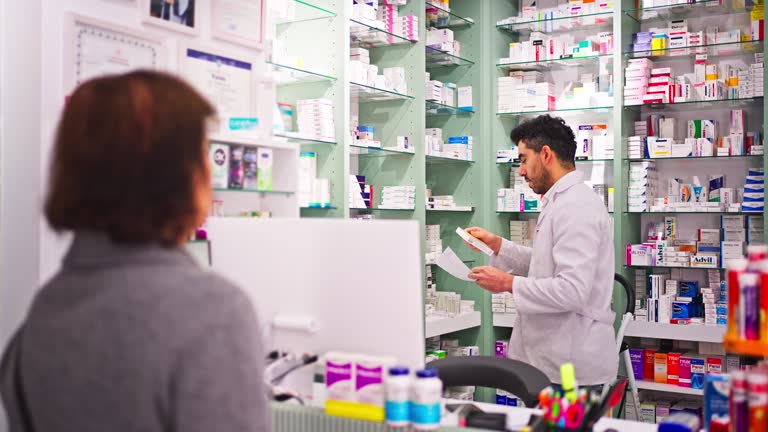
516, 377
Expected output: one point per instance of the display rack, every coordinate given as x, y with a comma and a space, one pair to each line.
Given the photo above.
475, 182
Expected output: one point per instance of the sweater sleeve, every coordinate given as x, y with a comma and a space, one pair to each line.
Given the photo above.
218, 381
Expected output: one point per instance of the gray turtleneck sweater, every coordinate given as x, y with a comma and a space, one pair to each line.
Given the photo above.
137, 338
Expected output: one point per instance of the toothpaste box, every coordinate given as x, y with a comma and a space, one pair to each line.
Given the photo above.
649, 364
698, 370
684, 372
636, 356
673, 368
660, 361
716, 391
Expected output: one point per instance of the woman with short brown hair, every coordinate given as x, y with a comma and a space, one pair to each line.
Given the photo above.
131, 334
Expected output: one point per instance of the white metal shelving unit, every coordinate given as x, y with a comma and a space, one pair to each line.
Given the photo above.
668, 388
437, 326
696, 333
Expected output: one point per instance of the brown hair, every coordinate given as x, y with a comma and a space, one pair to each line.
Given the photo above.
129, 158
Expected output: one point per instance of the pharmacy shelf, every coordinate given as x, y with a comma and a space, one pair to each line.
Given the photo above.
561, 112
432, 263
319, 208
307, 11
294, 138
365, 93
756, 102
658, 267
668, 388
375, 209
363, 151
699, 9
717, 158
453, 20
436, 326
560, 25
504, 320
290, 75
696, 333
435, 160
435, 109
250, 141
554, 64
437, 58
255, 191
720, 50
429, 210
368, 36
577, 161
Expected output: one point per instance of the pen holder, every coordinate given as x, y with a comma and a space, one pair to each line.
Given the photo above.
540, 424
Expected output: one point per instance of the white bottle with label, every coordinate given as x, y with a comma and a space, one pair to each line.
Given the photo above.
397, 400
426, 397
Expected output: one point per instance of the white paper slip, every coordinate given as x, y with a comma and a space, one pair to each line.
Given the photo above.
474, 241
451, 263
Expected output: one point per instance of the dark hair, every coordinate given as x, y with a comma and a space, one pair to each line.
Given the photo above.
550, 131
129, 156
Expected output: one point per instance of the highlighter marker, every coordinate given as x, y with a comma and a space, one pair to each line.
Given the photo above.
739, 410
748, 283
757, 388
568, 382
764, 301
735, 324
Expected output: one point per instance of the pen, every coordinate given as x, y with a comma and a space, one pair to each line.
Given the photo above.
568, 381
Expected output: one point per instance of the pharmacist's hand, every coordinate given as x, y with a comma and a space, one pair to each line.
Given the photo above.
492, 279
492, 240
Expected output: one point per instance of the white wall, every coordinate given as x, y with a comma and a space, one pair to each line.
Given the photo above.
33, 93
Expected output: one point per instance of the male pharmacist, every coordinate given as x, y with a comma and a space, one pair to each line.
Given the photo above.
562, 286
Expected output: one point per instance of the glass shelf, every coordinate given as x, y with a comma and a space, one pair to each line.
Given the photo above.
555, 63
719, 50
562, 24
517, 212
603, 109
366, 36
306, 11
701, 105
363, 151
289, 75
454, 21
717, 213
319, 208
432, 160
382, 209
430, 263
429, 210
372, 94
437, 58
438, 109
578, 161
718, 158
657, 267
698, 9
254, 191
303, 141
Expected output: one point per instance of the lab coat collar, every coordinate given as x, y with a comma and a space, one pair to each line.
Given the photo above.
566, 182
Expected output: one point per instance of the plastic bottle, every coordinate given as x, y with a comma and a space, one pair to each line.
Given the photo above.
426, 396
397, 400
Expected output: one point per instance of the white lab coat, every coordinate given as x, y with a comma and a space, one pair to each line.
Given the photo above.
564, 285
